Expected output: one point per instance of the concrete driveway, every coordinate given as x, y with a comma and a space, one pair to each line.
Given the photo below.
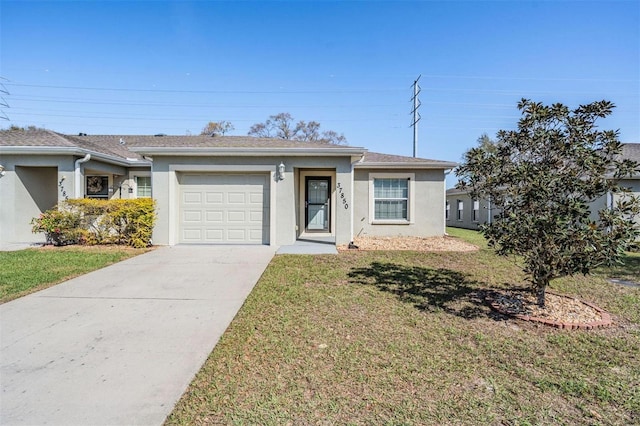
119, 346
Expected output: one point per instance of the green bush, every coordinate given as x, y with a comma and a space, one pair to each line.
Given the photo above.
124, 222
60, 226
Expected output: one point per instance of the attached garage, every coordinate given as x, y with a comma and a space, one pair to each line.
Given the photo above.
223, 208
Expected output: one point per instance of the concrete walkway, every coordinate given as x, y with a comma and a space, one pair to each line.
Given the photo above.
302, 247
119, 346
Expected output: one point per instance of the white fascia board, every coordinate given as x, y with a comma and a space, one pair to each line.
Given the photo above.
58, 150
439, 166
248, 152
456, 191
41, 150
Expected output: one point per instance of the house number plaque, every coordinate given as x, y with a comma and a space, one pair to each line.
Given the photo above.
342, 197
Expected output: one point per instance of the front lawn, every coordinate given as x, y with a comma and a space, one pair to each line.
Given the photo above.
404, 338
25, 271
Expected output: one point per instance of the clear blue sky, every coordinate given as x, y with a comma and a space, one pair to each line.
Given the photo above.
147, 67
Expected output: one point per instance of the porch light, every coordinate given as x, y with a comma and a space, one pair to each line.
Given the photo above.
281, 171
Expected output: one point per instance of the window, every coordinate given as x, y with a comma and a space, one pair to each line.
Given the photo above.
447, 210
476, 210
143, 186
460, 209
391, 198
98, 187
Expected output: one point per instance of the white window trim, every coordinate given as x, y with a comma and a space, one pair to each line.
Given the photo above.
475, 214
460, 211
133, 183
410, 201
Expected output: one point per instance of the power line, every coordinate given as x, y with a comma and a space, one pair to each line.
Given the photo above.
158, 104
370, 90
105, 89
3, 102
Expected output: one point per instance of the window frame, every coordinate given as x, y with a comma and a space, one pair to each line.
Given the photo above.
136, 178
475, 214
133, 182
410, 177
460, 210
447, 210
97, 196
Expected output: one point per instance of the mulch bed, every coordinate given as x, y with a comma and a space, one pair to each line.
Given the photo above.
560, 311
444, 243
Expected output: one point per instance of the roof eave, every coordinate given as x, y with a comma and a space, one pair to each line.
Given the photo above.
414, 165
58, 150
246, 152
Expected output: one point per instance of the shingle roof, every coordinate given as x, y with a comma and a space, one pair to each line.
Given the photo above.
129, 147
167, 141
631, 151
104, 146
378, 158
36, 137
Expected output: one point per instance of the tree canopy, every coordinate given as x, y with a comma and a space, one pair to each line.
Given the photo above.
283, 126
544, 178
217, 128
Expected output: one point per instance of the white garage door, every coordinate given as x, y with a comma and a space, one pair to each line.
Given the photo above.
224, 208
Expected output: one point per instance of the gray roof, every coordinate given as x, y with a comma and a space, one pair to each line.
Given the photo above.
631, 151
131, 148
456, 191
167, 141
37, 137
388, 159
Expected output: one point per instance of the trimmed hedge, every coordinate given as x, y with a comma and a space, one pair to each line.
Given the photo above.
92, 221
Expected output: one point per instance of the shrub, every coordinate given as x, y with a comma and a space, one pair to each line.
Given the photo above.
60, 226
125, 222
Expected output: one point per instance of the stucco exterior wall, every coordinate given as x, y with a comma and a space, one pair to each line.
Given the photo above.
467, 220
31, 185
427, 198
285, 217
634, 186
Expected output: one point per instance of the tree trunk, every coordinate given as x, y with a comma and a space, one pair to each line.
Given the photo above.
540, 294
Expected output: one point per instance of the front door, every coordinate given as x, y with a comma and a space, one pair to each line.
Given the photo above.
317, 208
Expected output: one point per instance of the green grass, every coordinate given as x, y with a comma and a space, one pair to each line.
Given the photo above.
25, 271
405, 338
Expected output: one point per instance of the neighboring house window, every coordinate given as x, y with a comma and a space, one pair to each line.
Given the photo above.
476, 210
447, 210
98, 187
143, 186
391, 198
460, 209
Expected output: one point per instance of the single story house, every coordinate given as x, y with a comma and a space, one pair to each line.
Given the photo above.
461, 211
224, 189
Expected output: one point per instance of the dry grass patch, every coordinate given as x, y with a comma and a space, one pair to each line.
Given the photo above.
402, 337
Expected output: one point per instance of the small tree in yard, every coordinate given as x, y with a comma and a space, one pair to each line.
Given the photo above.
542, 178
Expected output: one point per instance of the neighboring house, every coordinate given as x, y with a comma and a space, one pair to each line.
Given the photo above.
463, 212
224, 189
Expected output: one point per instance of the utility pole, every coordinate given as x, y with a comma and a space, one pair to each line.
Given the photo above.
416, 114
3, 103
